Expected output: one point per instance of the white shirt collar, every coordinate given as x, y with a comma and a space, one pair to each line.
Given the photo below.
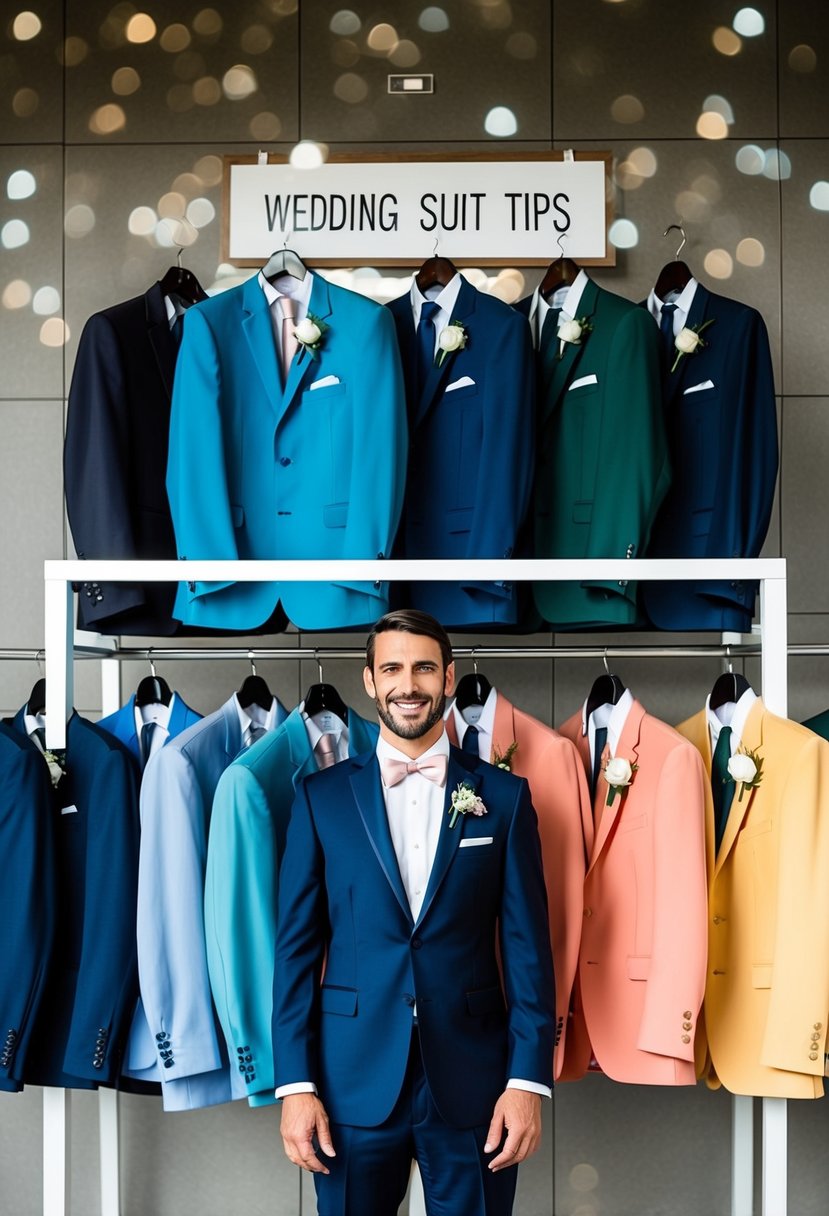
297, 289
485, 723
733, 714
611, 716
565, 298
683, 303
174, 309
157, 712
439, 748
255, 715
33, 722
338, 729
446, 297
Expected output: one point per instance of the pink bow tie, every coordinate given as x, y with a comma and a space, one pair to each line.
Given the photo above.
433, 768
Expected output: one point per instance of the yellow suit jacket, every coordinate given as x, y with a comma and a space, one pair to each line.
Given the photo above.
767, 987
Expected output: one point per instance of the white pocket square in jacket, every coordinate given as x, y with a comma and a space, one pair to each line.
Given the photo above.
584, 380
464, 382
326, 382
471, 841
698, 388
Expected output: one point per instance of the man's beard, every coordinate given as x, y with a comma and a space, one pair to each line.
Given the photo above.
414, 730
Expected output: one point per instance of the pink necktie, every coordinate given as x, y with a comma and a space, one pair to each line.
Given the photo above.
289, 342
324, 752
433, 768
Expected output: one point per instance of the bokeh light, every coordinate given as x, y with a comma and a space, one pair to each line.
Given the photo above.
749, 22
750, 160
307, 155
627, 109
726, 41
350, 88
239, 82
140, 28
16, 294
623, 234
26, 26
46, 301
501, 122
14, 234
802, 58
125, 82
108, 119
175, 38
433, 19
751, 252
819, 196
719, 264
54, 332
79, 221
345, 22
21, 184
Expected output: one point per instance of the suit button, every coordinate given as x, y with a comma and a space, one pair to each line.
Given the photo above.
812, 1055
818, 1025
168, 1063
686, 1038
686, 1025
381, 557
588, 911
815, 1036
416, 943
409, 1000
285, 461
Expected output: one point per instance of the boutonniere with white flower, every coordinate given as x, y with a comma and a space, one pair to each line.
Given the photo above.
746, 768
504, 761
572, 332
56, 765
309, 334
618, 773
689, 342
465, 801
451, 338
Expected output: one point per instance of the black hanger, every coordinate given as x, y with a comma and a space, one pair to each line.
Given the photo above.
473, 689
181, 282
254, 690
675, 275
728, 687
153, 689
284, 261
37, 698
607, 690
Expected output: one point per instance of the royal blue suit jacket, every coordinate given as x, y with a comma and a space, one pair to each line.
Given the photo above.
122, 723
256, 470
723, 446
342, 899
27, 896
80, 1033
471, 455
251, 811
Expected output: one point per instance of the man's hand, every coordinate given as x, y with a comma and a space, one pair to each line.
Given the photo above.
519, 1112
303, 1115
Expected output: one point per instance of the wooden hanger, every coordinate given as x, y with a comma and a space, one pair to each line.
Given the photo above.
181, 282
560, 273
435, 272
675, 275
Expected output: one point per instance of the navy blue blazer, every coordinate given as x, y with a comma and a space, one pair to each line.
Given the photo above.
121, 724
91, 989
27, 896
470, 456
721, 423
342, 900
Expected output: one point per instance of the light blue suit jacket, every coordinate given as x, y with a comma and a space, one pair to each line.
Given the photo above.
181, 1046
122, 723
250, 817
256, 470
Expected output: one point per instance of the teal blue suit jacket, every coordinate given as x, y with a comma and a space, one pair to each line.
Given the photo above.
256, 470
248, 827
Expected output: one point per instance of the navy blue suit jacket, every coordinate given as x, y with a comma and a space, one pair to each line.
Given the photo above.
342, 899
27, 896
723, 446
470, 456
92, 984
121, 724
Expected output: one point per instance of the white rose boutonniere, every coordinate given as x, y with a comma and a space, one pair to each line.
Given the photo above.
618, 773
55, 765
465, 801
572, 332
451, 338
688, 341
309, 334
746, 768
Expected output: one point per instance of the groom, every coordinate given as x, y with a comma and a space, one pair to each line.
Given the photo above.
403, 868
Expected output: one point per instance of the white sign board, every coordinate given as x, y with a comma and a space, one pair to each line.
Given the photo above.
380, 212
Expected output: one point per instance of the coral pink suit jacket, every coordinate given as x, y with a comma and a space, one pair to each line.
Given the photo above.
641, 975
559, 794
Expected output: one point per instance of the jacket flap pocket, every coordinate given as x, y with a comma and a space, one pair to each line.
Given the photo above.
582, 511
761, 975
485, 1000
238, 515
757, 829
639, 966
459, 520
338, 1000
335, 514
630, 825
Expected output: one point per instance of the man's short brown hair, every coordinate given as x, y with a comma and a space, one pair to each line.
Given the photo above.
410, 620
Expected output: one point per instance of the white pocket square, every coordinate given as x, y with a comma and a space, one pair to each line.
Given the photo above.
697, 388
472, 841
325, 382
464, 382
583, 380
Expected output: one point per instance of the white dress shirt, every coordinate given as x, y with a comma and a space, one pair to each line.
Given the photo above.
326, 722
482, 717
299, 291
254, 715
159, 714
445, 297
33, 722
175, 309
613, 717
682, 301
567, 298
733, 714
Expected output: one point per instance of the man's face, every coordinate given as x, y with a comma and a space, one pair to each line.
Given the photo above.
408, 683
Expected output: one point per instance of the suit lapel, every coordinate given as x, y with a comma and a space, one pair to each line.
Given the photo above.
698, 313
299, 747
464, 308
160, 338
583, 748
449, 838
401, 310
752, 740
365, 785
319, 306
557, 377
360, 738
233, 729
627, 749
503, 728
177, 717
258, 331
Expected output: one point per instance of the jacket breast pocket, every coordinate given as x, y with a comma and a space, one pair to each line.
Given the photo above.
237, 514
342, 1001
318, 396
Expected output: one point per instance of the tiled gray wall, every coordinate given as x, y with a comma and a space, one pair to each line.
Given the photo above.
106, 125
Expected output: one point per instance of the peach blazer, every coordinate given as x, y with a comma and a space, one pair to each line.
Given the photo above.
641, 971
560, 797
767, 990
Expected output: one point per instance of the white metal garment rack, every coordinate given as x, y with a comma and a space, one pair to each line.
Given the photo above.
59, 653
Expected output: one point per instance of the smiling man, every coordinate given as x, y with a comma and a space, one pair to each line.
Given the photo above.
404, 869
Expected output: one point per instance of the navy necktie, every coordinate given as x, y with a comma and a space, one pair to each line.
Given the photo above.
40, 733
255, 733
598, 747
470, 741
666, 328
722, 787
147, 732
426, 341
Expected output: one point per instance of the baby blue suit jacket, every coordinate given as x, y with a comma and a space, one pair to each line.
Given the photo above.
471, 456
248, 826
341, 898
256, 470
